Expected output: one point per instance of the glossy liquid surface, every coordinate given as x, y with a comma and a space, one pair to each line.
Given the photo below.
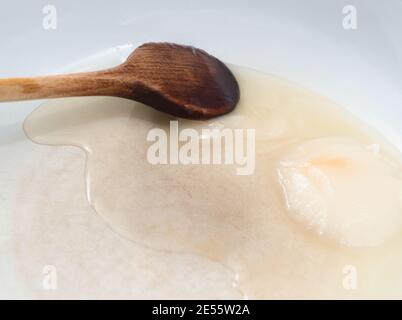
289, 230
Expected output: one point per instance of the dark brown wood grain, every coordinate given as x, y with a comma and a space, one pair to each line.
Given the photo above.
180, 80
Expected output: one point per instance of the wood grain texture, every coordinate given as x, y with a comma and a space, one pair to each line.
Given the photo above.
180, 80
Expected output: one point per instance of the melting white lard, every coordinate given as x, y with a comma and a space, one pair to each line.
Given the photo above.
343, 190
325, 192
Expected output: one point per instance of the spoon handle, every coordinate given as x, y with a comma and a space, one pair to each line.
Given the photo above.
98, 83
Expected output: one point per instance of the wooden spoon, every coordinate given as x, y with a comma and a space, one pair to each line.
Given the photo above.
180, 80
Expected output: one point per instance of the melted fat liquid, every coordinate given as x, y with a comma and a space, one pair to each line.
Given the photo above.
208, 210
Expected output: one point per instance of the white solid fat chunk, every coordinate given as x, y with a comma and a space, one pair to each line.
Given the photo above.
342, 190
